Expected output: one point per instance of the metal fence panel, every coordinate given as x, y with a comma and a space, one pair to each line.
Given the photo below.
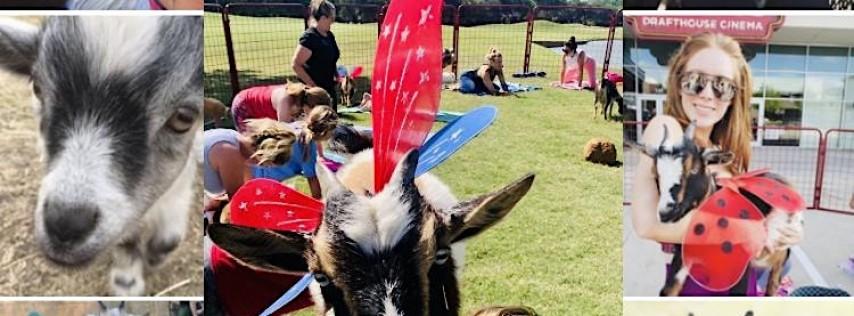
482, 27
792, 153
216, 81
836, 190
553, 25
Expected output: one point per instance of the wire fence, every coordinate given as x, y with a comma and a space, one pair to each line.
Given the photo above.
820, 166
837, 182
253, 44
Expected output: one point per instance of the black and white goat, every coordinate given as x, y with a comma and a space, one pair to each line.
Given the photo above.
684, 183
390, 253
119, 107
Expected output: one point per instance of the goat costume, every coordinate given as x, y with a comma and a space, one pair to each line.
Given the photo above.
728, 231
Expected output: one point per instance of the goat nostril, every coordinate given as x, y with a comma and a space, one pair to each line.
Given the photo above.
69, 223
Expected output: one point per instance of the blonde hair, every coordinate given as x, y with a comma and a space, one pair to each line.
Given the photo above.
306, 96
319, 124
492, 55
272, 140
733, 132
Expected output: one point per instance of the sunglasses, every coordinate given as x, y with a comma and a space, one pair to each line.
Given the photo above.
693, 83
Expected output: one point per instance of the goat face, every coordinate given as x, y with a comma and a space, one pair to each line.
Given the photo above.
680, 169
119, 103
383, 254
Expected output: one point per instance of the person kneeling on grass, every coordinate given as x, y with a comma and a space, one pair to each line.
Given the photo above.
480, 80
283, 102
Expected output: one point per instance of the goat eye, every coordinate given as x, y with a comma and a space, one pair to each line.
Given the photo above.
321, 279
442, 255
182, 120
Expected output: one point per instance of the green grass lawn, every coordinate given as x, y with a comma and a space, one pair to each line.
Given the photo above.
559, 250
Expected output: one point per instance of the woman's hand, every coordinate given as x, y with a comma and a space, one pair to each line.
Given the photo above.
213, 203
784, 229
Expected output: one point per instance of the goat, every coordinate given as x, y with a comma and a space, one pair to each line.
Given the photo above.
684, 183
606, 96
394, 252
119, 107
347, 88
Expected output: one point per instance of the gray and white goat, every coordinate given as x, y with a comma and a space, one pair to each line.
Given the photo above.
395, 252
119, 108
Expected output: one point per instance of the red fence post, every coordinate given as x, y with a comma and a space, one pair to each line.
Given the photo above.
819, 171
456, 68
529, 39
229, 49
610, 45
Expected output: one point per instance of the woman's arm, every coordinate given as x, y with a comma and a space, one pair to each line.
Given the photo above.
283, 108
231, 167
483, 75
562, 67
314, 185
645, 192
581, 59
301, 56
502, 81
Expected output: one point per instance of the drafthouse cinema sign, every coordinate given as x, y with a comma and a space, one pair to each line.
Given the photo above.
755, 29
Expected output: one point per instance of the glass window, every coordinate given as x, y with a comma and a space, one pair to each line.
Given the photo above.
654, 53
827, 59
755, 55
822, 115
782, 112
758, 84
848, 115
653, 81
628, 59
851, 62
784, 85
824, 87
786, 57
629, 79
849, 88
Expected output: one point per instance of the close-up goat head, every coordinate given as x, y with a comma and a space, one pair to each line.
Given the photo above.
385, 253
680, 170
118, 102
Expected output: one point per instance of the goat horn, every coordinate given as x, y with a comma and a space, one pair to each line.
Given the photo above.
664, 139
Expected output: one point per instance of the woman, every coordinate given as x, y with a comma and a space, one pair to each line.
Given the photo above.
230, 156
317, 54
285, 103
709, 83
481, 80
317, 128
573, 66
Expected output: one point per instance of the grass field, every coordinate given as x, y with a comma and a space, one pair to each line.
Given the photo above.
559, 250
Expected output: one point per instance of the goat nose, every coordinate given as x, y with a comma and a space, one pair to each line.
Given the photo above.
69, 224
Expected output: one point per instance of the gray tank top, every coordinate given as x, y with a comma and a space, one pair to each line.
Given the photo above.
213, 184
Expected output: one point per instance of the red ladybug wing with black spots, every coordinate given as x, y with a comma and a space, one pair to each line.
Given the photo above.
723, 237
770, 190
267, 204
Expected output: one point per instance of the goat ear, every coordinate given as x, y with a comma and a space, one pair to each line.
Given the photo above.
717, 157
328, 180
472, 217
403, 176
260, 249
18, 46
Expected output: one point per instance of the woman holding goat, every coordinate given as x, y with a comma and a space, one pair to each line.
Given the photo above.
709, 84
